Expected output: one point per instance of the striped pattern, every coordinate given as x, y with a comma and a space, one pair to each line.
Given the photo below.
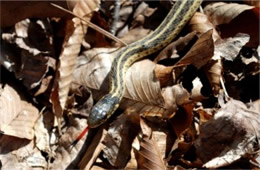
176, 19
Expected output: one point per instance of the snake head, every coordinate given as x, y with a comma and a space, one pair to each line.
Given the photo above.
103, 109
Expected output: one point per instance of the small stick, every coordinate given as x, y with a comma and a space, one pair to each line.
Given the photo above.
91, 25
223, 86
115, 16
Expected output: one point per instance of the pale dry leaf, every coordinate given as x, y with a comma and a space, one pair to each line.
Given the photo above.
196, 95
13, 118
255, 105
15, 157
142, 85
149, 156
161, 140
84, 8
42, 136
37, 160
16, 153
92, 68
119, 138
174, 96
223, 13
134, 35
233, 131
201, 24
70, 51
229, 48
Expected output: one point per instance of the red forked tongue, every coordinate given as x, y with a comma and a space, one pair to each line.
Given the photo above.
80, 136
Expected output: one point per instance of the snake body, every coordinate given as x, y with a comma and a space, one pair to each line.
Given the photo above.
173, 23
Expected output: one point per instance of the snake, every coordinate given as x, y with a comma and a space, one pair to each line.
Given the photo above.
173, 23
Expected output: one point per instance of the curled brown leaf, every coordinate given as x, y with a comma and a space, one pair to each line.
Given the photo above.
235, 18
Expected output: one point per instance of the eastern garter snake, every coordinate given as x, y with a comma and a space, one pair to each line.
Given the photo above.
173, 23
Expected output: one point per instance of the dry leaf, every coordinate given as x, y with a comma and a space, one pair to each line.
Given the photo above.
13, 118
229, 48
233, 132
213, 70
200, 53
200, 23
145, 19
33, 43
92, 68
174, 96
196, 94
205, 114
15, 152
84, 8
223, 13
18, 153
148, 156
67, 60
71, 48
182, 119
175, 47
42, 136
182, 146
119, 138
142, 85
235, 18
134, 35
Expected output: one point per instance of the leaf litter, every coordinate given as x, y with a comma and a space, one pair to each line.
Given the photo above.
195, 104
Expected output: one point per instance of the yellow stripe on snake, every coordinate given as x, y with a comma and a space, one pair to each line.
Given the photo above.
173, 23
